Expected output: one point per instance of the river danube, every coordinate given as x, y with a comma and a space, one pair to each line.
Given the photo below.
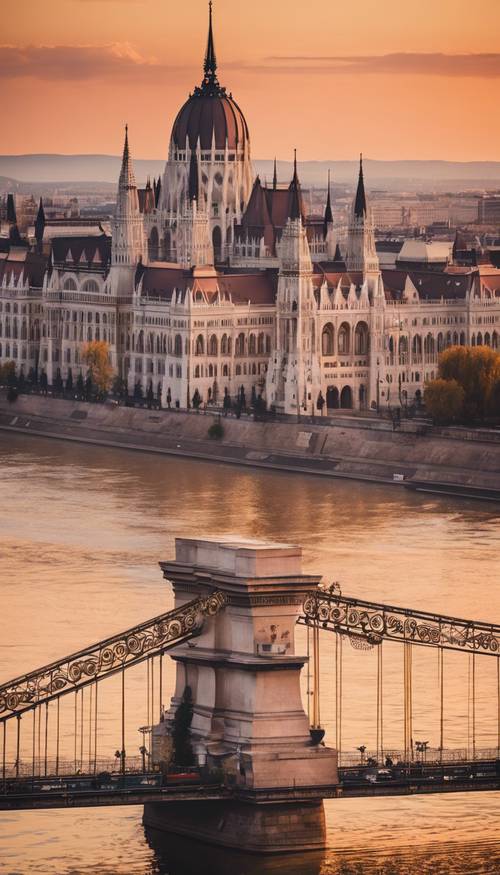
83, 530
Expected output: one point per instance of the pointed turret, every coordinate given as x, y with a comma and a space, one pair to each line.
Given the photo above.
158, 192
14, 235
275, 176
361, 252
40, 226
360, 199
11, 210
328, 220
296, 209
128, 230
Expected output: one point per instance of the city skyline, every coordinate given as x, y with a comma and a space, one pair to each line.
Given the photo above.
319, 78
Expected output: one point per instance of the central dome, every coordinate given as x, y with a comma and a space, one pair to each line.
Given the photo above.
210, 113
205, 117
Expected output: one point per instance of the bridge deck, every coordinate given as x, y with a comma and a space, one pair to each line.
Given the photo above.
138, 788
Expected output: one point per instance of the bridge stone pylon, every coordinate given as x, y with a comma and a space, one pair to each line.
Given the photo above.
249, 723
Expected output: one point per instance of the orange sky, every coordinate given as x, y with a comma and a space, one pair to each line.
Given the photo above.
391, 78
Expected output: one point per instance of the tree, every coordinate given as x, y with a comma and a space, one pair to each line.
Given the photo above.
196, 399
80, 385
58, 382
69, 381
181, 731
169, 398
320, 403
7, 373
95, 355
138, 393
477, 370
444, 400
150, 395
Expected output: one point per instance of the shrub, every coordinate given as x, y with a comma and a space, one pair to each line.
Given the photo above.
216, 431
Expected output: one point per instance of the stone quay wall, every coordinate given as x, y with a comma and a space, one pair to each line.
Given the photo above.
346, 446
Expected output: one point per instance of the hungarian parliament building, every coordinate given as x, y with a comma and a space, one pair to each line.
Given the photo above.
213, 280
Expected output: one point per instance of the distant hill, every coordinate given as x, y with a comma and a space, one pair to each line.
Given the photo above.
386, 174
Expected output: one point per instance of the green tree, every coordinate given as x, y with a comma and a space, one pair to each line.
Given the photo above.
95, 355
444, 400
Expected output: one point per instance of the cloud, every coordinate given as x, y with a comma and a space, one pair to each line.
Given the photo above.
122, 62
401, 63
116, 60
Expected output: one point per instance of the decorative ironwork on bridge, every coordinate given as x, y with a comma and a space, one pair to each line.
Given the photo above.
371, 623
107, 657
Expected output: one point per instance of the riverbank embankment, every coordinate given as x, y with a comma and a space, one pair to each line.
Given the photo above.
343, 447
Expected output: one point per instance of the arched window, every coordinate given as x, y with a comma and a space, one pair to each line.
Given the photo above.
327, 340
239, 348
429, 346
238, 370
260, 344
487, 339
200, 345
361, 339
90, 286
223, 345
178, 345
344, 339
494, 340
140, 342
69, 285
462, 338
479, 339
251, 345
440, 342
212, 345
268, 344
416, 345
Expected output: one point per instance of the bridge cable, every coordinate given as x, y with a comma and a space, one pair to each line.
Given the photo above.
123, 719
18, 744
3, 754
474, 706
95, 726
39, 740
90, 728
441, 698
76, 730
152, 700
380, 705
498, 707
338, 694
408, 701
33, 751
46, 736
308, 682
57, 733
81, 728
161, 686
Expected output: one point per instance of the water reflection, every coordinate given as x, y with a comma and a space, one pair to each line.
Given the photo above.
176, 855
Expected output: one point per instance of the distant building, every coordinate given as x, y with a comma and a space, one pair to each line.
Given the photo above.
213, 281
489, 210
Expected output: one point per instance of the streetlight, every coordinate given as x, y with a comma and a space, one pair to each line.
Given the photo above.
145, 730
362, 750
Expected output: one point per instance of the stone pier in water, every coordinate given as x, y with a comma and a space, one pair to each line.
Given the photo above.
248, 728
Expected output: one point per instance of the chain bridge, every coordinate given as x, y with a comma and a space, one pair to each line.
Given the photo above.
232, 756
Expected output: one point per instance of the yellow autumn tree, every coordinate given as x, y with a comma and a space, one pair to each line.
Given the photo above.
95, 355
444, 400
477, 370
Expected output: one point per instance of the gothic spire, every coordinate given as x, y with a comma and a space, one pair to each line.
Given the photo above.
11, 210
275, 177
328, 220
40, 225
360, 201
127, 178
295, 211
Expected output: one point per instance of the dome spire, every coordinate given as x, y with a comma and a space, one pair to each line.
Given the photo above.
210, 84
